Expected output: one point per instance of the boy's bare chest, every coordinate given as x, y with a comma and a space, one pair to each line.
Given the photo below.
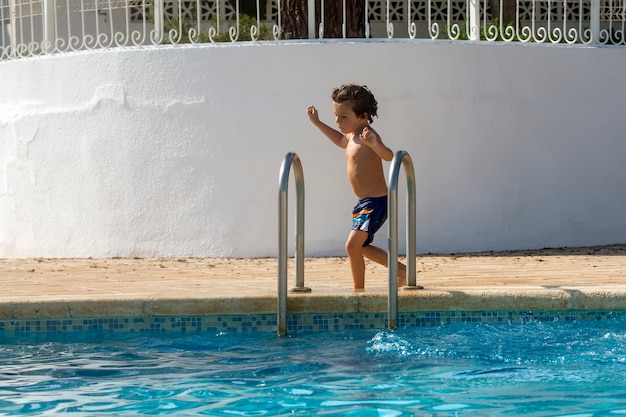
358, 152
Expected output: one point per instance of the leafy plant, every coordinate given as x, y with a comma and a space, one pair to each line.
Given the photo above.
485, 31
188, 26
246, 23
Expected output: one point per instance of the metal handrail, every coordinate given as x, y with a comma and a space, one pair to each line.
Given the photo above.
291, 160
400, 158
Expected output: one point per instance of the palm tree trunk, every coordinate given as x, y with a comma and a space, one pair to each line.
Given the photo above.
333, 18
508, 11
294, 16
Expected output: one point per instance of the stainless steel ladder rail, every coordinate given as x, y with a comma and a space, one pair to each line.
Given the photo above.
400, 158
291, 160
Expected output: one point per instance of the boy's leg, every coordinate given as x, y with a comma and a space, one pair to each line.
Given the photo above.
354, 246
378, 255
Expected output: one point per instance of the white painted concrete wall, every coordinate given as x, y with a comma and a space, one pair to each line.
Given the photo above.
175, 151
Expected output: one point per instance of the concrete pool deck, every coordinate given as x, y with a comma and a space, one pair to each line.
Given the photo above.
591, 278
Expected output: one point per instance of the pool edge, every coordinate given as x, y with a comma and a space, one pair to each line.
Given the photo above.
553, 299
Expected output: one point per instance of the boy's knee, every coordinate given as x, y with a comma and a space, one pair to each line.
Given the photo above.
351, 247
354, 244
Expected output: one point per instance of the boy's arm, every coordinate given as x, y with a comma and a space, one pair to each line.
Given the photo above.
373, 140
335, 136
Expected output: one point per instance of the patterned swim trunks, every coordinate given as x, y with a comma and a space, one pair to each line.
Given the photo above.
369, 215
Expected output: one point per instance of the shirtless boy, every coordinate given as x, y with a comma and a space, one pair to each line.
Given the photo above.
354, 107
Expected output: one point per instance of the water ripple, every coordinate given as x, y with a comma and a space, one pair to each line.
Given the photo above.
530, 369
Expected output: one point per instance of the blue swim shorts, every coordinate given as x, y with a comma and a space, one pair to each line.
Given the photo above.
369, 215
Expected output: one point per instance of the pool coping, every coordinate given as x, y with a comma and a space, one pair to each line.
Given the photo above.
553, 299
193, 290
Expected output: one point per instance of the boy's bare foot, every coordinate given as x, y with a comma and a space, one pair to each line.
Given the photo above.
359, 290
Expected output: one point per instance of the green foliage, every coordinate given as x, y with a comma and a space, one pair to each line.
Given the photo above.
246, 23
486, 32
184, 28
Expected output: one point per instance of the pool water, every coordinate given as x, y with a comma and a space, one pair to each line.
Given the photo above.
469, 369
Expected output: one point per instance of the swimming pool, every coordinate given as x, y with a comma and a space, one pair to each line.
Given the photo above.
533, 368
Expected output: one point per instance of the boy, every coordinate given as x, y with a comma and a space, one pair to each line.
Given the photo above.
354, 107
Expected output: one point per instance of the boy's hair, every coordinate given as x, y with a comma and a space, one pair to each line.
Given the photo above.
360, 96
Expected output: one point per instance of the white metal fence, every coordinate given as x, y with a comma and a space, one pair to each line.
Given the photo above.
34, 27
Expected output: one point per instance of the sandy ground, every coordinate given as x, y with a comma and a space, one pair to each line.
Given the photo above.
121, 278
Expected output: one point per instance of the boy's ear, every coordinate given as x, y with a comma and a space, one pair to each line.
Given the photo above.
365, 116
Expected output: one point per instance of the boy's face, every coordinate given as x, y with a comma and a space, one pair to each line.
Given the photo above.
346, 119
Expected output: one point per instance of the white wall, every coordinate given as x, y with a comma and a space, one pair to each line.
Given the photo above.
175, 151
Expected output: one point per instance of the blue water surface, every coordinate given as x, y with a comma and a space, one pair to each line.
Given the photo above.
469, 369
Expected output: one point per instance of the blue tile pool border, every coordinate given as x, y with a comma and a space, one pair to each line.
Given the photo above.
296, 323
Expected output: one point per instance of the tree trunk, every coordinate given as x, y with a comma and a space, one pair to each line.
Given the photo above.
508, 11
294, 17
333, 18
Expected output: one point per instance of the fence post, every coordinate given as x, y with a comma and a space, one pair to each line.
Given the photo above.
158, 21
4, 33
473, 25
13, 34
311, 15
344, 21
594, 21
321, 27
49, 28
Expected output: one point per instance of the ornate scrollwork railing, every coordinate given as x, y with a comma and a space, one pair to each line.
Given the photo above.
33, 27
